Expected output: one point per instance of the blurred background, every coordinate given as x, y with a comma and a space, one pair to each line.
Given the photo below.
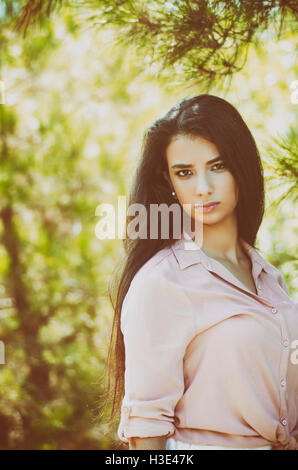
80, 83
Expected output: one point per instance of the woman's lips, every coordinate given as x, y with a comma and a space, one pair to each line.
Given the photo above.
207, 208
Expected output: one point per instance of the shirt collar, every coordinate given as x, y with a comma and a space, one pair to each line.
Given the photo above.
187, 253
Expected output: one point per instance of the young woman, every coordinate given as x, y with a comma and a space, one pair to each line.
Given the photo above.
203, 342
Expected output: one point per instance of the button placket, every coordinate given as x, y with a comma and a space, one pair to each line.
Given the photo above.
283, 371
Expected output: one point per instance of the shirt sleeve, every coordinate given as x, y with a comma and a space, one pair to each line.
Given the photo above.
157, 323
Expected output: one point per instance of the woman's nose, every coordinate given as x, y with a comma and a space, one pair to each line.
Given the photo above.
203, 185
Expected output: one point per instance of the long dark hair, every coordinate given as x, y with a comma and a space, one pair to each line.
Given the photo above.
216, 120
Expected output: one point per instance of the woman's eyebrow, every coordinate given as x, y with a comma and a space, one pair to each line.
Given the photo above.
190, 165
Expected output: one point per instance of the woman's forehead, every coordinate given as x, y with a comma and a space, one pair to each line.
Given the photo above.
194, 150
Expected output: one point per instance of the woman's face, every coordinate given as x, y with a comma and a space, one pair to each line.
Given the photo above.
198, 176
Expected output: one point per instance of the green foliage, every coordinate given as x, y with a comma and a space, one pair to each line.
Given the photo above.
282, 159
203, 42
59, 149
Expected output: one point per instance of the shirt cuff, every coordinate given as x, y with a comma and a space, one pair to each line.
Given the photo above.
136, 426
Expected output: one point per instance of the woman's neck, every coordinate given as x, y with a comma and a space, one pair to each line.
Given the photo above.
222, 242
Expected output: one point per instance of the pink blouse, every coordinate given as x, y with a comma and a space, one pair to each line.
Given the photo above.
207, 361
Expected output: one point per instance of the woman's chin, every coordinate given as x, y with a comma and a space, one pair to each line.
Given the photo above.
207, 219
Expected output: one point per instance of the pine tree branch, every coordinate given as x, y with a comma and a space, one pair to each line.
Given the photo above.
35, 11
206, 39
282, 159
178, 27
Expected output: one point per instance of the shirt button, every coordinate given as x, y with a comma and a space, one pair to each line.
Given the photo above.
284, 422
259, 287
283, 383
286, 343
274, 310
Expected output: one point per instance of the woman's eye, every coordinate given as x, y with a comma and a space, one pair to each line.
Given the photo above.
178, 173
219, 164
